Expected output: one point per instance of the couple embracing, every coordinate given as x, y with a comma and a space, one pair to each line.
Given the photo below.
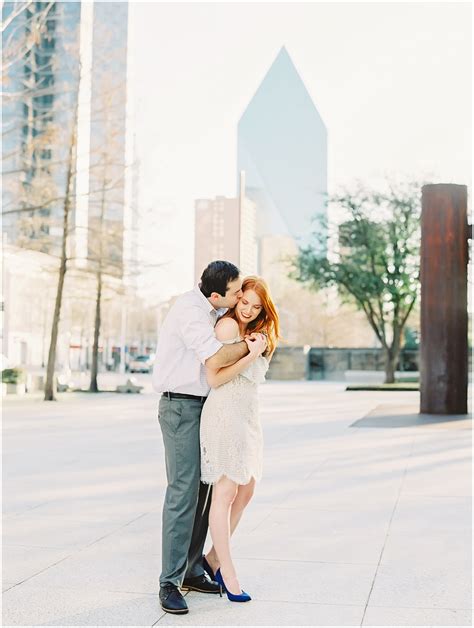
214, 349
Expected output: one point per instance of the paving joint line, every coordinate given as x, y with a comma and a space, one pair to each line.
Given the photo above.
388, 528
310, 562
22, 512
38, 572
80, 549
116, 530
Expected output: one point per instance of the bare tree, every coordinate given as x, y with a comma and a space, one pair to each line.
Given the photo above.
49, 392
41, 75
40, 79
108, 237
27, 128
41, 205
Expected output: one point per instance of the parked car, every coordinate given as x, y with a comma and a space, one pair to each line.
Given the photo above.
141, 364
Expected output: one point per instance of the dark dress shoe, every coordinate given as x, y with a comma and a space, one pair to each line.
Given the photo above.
171, 600
200, 583
207, 567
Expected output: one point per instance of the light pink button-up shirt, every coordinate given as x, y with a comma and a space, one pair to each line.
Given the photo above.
185, 342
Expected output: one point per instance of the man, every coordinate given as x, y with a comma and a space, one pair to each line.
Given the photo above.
185, 346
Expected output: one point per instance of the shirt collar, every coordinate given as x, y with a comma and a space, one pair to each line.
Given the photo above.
219, 312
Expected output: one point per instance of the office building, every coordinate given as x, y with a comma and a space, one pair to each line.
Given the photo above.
41, 75
225, 228
72, 77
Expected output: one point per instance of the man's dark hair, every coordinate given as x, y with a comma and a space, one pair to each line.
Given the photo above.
216, 276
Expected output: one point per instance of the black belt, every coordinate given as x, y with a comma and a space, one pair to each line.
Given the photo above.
172, 395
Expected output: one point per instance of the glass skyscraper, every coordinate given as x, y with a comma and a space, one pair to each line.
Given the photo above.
107, 171
40, 76
282, 147
42, 90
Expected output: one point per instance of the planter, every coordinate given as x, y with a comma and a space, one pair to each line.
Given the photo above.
16, 389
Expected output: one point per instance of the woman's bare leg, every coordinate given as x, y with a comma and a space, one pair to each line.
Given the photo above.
244, 495
223, 495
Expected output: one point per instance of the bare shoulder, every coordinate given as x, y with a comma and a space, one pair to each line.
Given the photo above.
226, 329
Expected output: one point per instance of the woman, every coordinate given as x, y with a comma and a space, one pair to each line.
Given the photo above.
231, 434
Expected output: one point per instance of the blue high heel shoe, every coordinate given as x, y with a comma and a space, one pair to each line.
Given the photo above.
208, 568
244, 597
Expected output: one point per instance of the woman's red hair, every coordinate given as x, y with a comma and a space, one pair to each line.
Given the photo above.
267, 322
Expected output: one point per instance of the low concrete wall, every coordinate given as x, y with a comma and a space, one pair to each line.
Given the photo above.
289, 363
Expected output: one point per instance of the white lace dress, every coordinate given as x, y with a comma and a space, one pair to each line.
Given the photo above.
231, 433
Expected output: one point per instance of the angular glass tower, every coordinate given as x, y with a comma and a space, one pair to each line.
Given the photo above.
282, 147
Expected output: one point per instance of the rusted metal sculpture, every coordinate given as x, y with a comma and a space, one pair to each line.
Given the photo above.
443, 273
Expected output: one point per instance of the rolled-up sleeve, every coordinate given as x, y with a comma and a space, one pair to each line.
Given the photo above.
198, 335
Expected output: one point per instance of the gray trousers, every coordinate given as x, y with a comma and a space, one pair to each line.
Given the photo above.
187, 500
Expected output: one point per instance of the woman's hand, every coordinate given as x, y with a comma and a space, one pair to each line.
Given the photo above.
257, 343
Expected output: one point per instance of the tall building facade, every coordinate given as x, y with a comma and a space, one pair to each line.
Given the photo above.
225, 228
282, 147
40, 79
105, 46
73, 75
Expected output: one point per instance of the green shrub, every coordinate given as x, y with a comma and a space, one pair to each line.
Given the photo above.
13, 376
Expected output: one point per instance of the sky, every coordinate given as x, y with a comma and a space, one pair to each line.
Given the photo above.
391, 81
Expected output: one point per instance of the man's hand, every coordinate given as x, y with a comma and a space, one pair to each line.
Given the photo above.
257, 343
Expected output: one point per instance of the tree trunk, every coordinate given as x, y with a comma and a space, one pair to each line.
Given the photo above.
391, 358
390, 363
95, 349
393, 352
49, 388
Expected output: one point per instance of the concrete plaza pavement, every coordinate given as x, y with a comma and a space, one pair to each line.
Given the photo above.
360, 519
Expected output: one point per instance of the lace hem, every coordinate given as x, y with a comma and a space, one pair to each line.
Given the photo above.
233, 479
